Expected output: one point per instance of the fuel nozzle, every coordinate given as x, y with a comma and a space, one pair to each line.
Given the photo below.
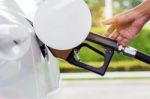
132, 52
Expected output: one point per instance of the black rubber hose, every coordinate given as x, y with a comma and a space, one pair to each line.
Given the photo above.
143, 57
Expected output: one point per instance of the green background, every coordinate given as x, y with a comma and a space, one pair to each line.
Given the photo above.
119, 61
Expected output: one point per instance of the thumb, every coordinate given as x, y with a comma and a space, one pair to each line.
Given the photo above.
108, 21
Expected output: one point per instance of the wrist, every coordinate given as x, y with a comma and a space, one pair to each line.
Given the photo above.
143, 9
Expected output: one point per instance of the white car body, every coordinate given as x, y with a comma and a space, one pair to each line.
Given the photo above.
30, 76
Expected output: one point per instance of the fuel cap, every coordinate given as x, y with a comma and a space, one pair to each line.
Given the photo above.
62, 24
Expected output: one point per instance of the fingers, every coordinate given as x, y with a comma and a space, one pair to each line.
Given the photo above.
127, 34
119, 19
119, 38
109, 31
120, 28
114, 36
124, 42
124, 19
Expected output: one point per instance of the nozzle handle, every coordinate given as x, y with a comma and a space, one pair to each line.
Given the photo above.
99, 70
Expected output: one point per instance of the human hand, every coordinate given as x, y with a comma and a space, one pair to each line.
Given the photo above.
125, 26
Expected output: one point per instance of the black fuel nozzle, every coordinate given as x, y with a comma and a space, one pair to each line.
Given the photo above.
110, 46
132, 52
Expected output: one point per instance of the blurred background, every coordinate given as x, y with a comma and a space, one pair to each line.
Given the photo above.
104, 9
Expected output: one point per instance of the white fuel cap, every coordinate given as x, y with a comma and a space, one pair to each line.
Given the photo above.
62, 24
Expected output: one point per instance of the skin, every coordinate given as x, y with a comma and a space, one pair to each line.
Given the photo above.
125, 26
